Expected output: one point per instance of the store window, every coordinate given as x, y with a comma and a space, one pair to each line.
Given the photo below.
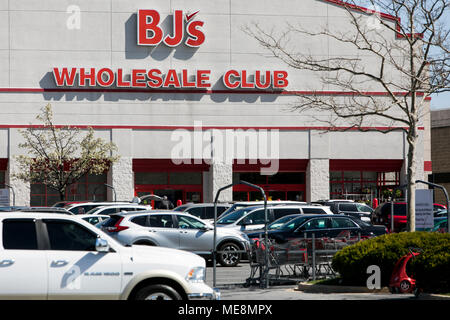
89, 187
361, 185
280, 186
176, 186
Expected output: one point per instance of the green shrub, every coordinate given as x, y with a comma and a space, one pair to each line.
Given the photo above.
431, 268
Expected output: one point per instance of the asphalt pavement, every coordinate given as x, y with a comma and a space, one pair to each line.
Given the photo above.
231, 283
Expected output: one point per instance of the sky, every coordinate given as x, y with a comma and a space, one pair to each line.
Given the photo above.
440, 101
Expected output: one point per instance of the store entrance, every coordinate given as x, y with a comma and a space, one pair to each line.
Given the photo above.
281, 186
174, 195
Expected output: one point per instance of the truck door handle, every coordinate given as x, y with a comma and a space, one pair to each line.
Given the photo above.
59, 263
7, 262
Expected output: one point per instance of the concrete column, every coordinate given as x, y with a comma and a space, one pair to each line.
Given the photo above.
318, 169
121, 175
318, 180
220, 174
21, 188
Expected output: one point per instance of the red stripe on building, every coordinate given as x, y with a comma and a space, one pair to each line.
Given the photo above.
162, 165
379, 165
284, 165
427, 166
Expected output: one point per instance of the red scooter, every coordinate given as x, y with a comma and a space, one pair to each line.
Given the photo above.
400, 281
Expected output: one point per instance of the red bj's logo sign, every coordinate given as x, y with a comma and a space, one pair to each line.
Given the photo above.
150, 33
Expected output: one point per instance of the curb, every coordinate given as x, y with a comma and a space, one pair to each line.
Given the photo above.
320, 288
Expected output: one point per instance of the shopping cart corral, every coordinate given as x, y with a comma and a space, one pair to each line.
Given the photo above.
295, 260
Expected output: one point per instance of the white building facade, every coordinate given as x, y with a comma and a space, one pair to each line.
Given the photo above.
192, 101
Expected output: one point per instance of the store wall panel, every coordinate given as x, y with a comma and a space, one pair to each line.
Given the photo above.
49, 31
59, 5
34, 69
366, 145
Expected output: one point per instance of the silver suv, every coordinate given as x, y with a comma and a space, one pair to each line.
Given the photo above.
177, 230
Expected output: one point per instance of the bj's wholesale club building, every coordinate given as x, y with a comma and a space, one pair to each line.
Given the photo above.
175, 84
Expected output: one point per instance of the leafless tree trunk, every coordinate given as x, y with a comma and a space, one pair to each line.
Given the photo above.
403, 51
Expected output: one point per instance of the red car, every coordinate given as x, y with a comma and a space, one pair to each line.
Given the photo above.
382, 215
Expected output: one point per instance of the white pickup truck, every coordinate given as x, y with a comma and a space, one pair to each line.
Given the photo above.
49, 256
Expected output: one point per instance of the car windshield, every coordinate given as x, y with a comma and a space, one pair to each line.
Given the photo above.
278, 223
361, 223
234, 216
181, 208
293, 224
94, 210
233, 208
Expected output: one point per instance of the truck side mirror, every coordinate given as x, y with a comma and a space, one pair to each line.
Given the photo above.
101, 245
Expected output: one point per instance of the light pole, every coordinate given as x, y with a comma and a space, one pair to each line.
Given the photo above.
446, 198
264, 284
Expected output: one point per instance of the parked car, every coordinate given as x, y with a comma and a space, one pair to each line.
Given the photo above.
12, 208
243, 204
62, 204
382, 215
253, 218
84, 207
112, 209
47, 210
177, 230
439, 210
204, 211
354, 209
52, 256
330, 226
440, 225
278, 223
94, 219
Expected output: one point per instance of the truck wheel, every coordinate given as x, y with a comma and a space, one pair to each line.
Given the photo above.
227, 256
158, 292
145, 243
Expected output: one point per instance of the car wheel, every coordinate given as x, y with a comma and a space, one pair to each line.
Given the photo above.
405, 286
227, 256
158, 292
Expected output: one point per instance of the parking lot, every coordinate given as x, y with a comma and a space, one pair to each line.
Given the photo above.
230, 283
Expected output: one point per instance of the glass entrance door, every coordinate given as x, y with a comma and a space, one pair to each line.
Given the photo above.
183, 194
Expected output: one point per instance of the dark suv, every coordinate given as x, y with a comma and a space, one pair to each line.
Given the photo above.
382, 215
354, 209
329, 226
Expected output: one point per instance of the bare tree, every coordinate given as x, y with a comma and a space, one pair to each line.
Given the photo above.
400, 48
58, 156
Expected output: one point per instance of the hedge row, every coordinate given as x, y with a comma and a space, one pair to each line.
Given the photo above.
431, 268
